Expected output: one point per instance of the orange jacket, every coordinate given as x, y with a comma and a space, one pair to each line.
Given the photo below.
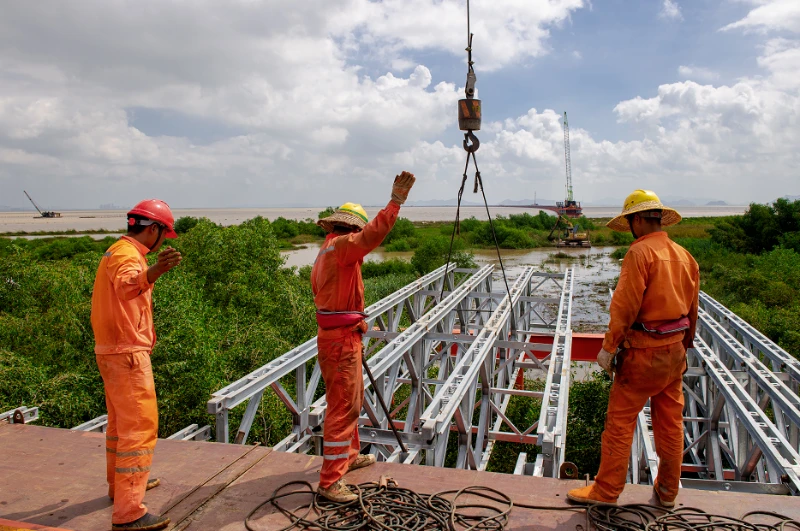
336, 275
659, 283
122, 303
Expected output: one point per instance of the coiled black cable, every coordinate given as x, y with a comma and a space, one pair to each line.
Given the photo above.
638, 517
382, 508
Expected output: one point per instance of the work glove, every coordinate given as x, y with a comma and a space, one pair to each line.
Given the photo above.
402, 185
605, 360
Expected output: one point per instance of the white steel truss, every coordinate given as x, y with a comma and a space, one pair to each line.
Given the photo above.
448, 366
740, 418
447, 354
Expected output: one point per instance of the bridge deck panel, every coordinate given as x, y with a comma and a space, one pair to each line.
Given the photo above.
57, 478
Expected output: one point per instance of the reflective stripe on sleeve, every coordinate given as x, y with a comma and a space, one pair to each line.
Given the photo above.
111, 450
333, 444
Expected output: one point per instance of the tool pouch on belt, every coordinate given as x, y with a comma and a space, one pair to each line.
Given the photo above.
642, 336
331, 320
664, 329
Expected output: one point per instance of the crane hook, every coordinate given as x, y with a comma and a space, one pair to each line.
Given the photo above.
469, 136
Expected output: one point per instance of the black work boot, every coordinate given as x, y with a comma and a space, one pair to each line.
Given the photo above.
148, 522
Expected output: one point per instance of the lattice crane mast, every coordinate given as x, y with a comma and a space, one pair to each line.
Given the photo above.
567, 158
569, 207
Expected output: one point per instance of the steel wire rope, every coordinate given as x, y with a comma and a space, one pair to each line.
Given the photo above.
469, 136
391, 508
455, 228
479, 184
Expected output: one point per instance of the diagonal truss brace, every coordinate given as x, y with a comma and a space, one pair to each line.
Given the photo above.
783, 462
251, 387
785, 402
455, 398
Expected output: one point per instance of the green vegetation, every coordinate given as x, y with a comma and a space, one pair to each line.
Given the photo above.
620, 252
751, 264
232, 306
588, 400
185, 224
761, 229
229, 308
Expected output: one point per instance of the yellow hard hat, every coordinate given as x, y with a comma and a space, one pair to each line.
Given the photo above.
351, 214
640, 201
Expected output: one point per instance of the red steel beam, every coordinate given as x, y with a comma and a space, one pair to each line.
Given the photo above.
584, 346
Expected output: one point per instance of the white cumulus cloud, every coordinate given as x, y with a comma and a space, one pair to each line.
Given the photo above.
770, 15
260, 103
671, 10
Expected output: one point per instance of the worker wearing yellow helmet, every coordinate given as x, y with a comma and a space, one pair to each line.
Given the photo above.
652, 324
339, 298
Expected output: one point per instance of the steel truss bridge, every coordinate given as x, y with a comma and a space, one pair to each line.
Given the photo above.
449, 353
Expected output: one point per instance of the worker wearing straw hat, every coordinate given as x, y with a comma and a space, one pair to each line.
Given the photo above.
652, 324
339, 298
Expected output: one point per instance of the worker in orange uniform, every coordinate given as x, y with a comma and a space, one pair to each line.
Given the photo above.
122, 320
653, 322
339, 298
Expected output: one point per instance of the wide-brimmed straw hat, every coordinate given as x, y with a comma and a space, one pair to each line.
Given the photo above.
350, 214
641, 201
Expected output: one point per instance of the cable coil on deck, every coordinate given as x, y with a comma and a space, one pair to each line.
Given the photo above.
636, 517
382, 507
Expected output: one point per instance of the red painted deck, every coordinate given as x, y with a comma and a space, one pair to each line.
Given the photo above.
52, 477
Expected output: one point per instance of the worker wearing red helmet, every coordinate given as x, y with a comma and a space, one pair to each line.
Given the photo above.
339, 298
122, 320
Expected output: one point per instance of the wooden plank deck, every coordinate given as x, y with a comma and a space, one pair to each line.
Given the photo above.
56, 478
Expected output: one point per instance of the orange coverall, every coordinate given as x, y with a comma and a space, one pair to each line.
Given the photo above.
122, 320
337, 285
659, 283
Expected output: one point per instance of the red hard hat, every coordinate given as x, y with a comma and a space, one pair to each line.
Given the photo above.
156, 210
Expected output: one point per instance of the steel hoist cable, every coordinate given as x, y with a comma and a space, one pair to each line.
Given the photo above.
469, 120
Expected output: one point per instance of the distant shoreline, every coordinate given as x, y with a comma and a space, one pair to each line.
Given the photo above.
464, 205
101, 221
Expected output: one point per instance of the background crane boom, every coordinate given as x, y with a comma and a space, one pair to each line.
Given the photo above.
42, 213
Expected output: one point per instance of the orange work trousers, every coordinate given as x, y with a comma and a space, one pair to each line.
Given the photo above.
132, 430
340, 352
655, 373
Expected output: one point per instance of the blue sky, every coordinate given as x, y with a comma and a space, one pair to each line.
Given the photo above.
259, 103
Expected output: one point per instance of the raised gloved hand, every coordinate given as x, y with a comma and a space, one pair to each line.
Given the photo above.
402, 185
605, 359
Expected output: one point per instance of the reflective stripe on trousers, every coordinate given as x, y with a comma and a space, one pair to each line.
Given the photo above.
339, 357
655, 373
132, 430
